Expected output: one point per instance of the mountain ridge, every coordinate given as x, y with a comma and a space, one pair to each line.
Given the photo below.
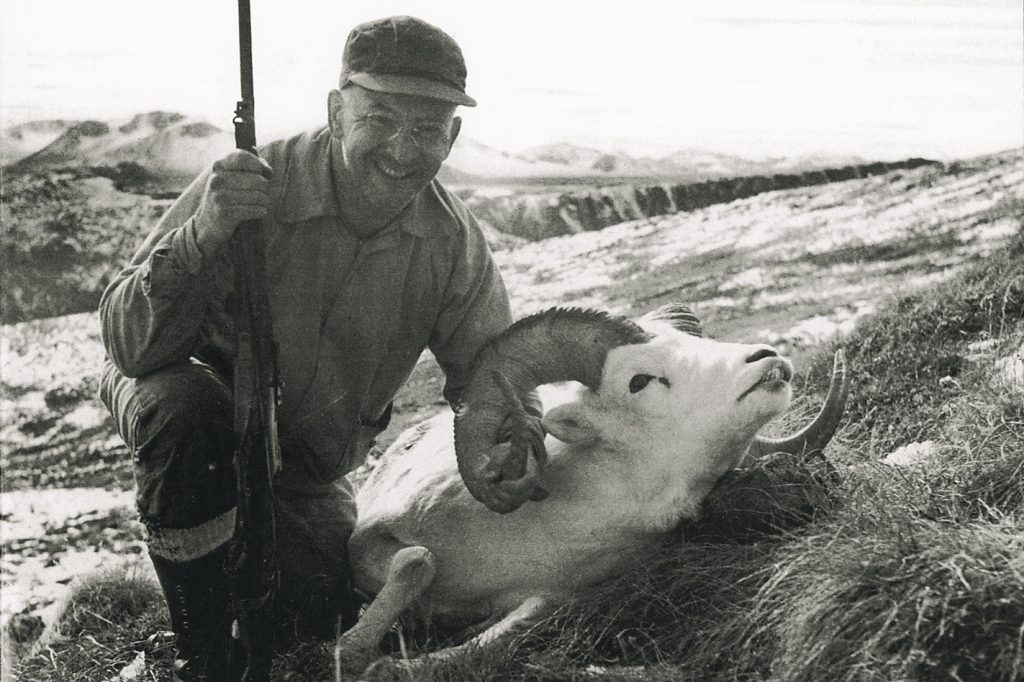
172, 145
167, 144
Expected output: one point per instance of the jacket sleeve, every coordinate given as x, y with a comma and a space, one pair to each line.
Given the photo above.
475, 308
152, 312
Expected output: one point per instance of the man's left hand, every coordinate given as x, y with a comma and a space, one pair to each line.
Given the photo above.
514, 467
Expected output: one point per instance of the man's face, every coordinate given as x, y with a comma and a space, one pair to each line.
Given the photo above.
392, 145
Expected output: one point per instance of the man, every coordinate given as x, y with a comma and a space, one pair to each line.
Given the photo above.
369, 261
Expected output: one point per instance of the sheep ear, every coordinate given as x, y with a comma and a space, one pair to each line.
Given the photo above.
570, 423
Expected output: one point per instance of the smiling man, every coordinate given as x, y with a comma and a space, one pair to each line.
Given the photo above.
369, 261
388, 146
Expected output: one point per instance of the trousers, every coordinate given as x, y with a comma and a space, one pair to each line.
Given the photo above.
178, 425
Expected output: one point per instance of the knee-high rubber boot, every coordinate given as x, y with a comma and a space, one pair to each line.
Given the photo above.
199, 601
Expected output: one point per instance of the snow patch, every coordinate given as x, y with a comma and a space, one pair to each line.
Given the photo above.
27, 514
821, 329
1010, 371
911, 454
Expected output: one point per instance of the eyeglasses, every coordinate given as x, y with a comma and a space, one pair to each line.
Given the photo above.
427, 135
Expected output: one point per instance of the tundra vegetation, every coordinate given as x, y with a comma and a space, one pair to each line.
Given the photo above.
898, 556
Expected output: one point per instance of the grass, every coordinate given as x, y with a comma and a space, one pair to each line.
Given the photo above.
845, 570
110, 619
898, 597
902, 358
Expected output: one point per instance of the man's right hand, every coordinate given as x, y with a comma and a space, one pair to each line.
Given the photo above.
238, 190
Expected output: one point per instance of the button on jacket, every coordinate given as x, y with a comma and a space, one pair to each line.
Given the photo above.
351, 316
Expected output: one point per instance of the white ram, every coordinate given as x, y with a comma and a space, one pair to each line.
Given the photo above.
661, 415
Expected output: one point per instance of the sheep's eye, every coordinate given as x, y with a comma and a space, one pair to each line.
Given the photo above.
639, 382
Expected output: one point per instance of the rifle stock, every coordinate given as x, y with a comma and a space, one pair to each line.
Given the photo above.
251, 561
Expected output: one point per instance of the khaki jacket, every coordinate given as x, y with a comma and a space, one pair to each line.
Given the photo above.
351, 317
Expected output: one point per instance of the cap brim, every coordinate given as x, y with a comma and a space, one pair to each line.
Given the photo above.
411, 85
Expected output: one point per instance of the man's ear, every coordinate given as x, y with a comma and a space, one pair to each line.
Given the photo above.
335, 111
456, 127
570, 423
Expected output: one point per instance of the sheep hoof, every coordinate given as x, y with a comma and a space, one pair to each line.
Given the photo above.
353, 657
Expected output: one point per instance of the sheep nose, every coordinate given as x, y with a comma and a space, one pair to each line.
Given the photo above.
761, 354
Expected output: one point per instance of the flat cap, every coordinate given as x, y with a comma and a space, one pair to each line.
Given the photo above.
406, 56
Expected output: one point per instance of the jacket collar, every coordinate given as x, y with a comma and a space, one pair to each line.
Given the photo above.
309, 193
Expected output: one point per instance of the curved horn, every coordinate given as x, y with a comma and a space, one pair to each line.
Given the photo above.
560, 344
678, 315
816, 435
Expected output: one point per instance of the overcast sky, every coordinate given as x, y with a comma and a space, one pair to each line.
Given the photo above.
882, 79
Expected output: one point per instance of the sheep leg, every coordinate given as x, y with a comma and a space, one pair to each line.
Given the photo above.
526, 614
409, 573
497, 635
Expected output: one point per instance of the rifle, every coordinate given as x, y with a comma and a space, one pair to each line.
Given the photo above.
251, 559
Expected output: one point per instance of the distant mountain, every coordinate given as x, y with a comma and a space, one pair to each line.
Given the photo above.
684, 163
171, 146
807, 162
18, 141
471, 159
590, 161
166, 144
713, 164
565, 154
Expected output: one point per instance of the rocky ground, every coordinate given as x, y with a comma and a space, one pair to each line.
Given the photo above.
790, 267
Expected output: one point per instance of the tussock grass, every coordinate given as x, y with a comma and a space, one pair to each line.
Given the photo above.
110, 618
918, 573
897, 597
902, 357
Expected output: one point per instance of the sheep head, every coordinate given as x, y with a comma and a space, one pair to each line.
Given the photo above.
560, 344
651, 390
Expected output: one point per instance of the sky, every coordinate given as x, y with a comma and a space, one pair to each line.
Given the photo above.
882, 79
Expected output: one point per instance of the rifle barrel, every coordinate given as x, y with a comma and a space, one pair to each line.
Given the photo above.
245, 111
245, 49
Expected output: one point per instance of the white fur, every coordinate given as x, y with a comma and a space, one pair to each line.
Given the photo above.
623, 469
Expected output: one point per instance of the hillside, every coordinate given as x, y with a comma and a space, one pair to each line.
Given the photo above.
815, 254
168, 145
64, 235
534, 213
63, 240
790, 266
23, 139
